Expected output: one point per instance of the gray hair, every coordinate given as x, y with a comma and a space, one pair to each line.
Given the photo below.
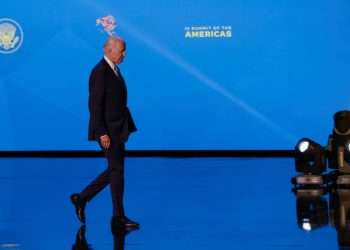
112, 41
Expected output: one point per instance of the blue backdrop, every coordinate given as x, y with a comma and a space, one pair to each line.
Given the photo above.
279, 76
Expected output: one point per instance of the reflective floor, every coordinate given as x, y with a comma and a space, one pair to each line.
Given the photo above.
191, 203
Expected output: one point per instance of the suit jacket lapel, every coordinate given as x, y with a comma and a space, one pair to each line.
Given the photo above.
110, 70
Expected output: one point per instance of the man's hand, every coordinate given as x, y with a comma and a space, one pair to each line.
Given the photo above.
105, 141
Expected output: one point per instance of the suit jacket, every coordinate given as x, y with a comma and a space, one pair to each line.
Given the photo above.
108, 109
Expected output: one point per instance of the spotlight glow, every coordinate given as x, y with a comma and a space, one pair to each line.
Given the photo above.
307, 226
347, 146
303, 146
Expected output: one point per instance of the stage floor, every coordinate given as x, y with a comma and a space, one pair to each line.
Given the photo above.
181, 203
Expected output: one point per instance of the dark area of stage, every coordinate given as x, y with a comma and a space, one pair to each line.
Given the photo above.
181, 203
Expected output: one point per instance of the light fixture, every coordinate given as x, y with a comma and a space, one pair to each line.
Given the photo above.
339, 142
310, 157
339, 147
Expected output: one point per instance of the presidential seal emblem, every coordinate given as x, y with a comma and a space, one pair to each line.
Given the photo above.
11, 36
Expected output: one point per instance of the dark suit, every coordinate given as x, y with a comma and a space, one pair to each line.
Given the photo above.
108, 105
109, 115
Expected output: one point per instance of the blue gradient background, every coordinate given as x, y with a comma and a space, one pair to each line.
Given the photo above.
280, 77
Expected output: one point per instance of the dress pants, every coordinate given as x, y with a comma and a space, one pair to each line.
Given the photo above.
113, 175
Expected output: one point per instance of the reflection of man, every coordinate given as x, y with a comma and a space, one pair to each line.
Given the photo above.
110, 124
119, 236
80, 240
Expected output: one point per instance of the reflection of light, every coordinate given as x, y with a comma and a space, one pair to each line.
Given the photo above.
303, 146
306, 225
348, 146
10, 246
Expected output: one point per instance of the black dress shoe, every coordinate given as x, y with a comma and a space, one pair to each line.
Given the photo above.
119, 236
130, 223
79, 205
123, 222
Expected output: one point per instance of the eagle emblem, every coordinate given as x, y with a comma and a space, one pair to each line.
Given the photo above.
11, 36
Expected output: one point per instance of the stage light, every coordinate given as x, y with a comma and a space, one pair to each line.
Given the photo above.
339, 143
310, 157
310, 160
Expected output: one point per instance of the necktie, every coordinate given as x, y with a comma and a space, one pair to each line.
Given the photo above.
117, 71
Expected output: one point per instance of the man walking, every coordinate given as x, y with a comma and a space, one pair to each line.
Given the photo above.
110, 125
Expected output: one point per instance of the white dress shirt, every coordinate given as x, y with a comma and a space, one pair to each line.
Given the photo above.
111, 64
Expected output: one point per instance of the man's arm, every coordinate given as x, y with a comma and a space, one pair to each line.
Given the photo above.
96, 102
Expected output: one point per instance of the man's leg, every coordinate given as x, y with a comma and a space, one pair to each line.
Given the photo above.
116, 156
96, 186
114, 176
116, 179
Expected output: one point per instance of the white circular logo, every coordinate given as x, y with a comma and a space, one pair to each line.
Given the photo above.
11, 36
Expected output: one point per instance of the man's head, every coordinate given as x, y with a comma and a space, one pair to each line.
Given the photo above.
114, 48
